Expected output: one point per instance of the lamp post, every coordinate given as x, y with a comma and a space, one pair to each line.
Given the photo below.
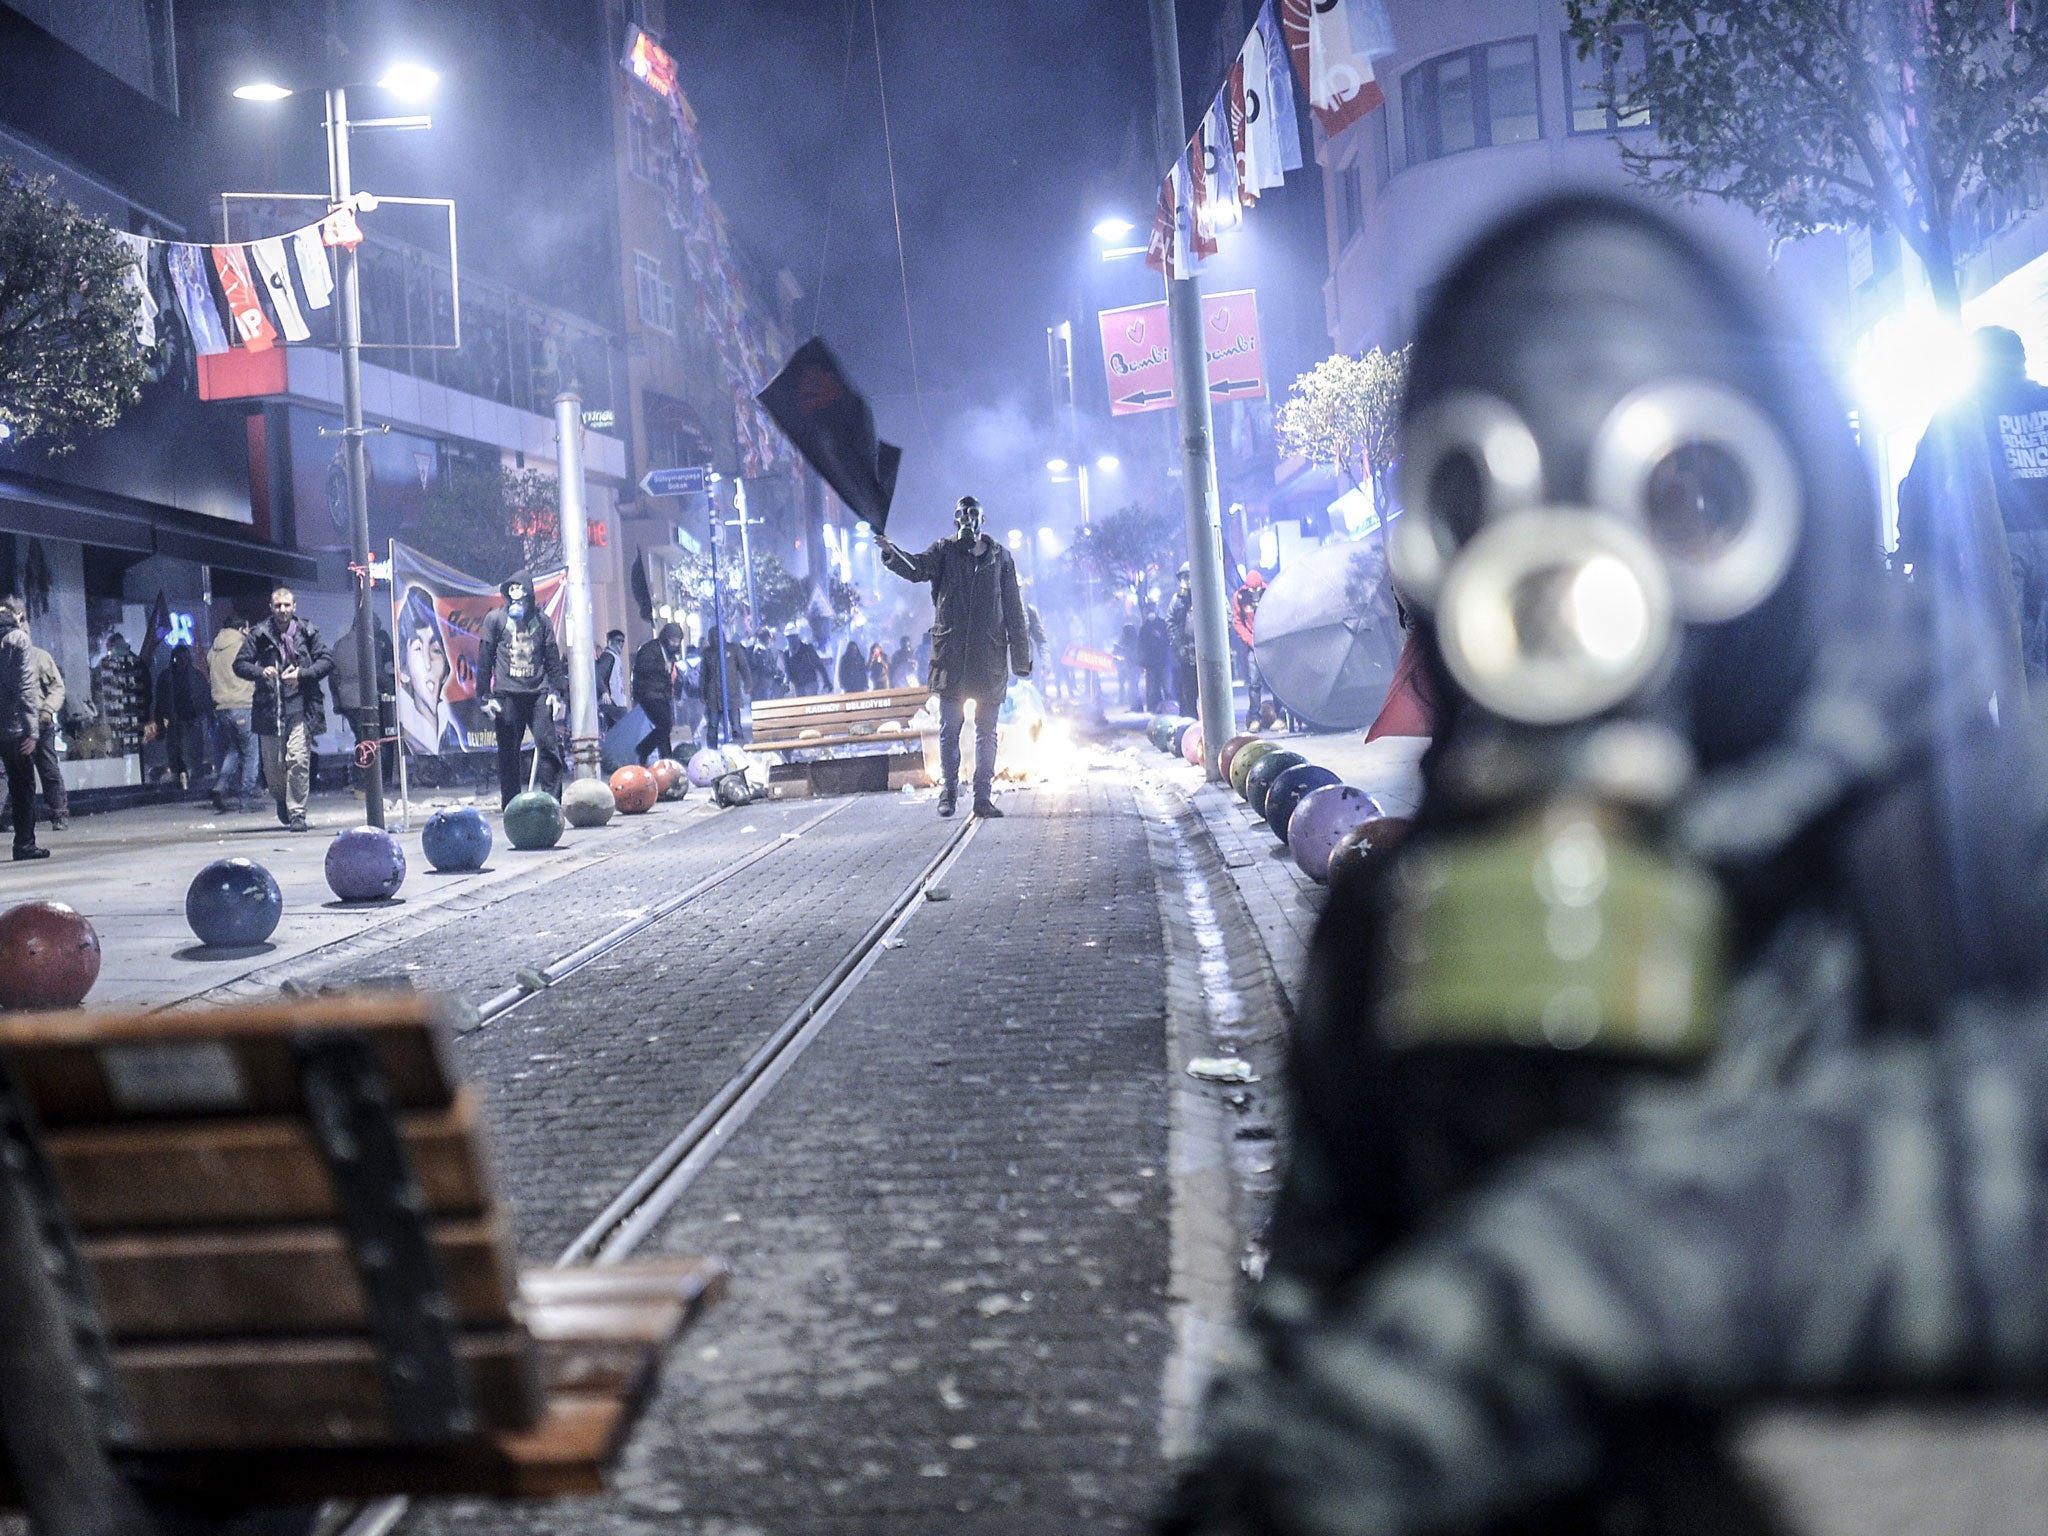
407, 81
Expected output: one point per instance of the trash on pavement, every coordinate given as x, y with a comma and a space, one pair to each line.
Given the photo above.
1222, 1069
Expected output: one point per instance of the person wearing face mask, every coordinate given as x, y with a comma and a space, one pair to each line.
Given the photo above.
523, 682
1180, 630
1650, 1078
286, 658
979, 637
654, 690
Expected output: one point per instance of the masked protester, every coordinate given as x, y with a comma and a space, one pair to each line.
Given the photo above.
1648, 1078
524, 682
979, 638
1180, 629
654, 690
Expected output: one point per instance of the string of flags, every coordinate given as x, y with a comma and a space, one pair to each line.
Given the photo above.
1250, 137
239, 294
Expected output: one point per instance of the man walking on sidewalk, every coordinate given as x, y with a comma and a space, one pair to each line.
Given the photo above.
49, 705
654, 690
524, 680
287, 660
979, 638
19, 697
233, 698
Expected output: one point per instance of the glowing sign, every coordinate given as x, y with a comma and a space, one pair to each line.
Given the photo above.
180, 632
647, 63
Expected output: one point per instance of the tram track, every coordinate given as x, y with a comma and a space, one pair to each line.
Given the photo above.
651, 1195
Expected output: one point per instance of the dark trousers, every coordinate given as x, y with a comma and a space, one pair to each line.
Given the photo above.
55, 799
21, 791
1184, 685
1155, 688
518, 714
952, 715
661, 715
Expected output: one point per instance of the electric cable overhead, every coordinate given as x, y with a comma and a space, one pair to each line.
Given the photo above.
832, 178
896, 207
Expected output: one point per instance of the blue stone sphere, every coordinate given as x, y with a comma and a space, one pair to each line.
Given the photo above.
458, 838
365, 864
233, 903
707, 765
1288, 790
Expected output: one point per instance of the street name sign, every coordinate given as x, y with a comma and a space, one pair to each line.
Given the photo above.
1137, 352
690, 480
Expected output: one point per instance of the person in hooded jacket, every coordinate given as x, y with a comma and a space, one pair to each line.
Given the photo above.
524, 684
655, 667
1690, 1053
853, 668
807, 674
20, 698
719, 720
979, 637
288, 660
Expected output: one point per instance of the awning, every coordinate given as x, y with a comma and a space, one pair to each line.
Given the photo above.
50, 509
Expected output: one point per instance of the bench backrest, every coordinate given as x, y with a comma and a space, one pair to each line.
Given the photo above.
283, 1217
783, 721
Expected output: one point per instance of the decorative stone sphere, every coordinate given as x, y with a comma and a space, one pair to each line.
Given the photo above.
49, 956
365, 864
706, 765
1247, 755
533, 820
233, 904
588, 803
1268, 768
1322, 817
635, 790
669, 775
1229, 753
457, 838
1191, 745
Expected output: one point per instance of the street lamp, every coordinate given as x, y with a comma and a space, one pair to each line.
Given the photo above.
1113, 229
409, 81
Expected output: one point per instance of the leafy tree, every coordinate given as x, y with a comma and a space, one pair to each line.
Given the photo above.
1819, 114
1345, 412
1127, 549
782, 597
491, 521
69, 359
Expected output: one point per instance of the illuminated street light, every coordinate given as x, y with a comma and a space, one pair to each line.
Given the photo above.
1108, 462
410, 81
1016, 538
1113, 228
262, 90
1057, 466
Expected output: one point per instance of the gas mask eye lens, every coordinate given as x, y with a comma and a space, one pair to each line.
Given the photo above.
1466, 459
1710, 478
1698, 501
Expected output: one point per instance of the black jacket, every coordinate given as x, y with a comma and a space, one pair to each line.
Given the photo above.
853, 670
978, 628
806, 667
498, 658
737, 673
261, 650
1180, 627
19, 695
654, 680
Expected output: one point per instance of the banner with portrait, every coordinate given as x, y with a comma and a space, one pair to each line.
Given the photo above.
437, 617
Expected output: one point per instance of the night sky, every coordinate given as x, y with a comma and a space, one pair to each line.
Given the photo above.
1017, 124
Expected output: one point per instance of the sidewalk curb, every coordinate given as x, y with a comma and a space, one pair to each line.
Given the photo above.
1222, 997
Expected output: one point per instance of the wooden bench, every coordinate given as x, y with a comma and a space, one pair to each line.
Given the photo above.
878, 719
274, 1260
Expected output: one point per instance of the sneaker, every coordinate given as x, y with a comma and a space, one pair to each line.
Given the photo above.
284, 815
986, 810
26, 851
298, 821
947, 798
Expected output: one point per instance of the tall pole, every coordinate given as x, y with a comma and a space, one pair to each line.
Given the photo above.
726, 729
370, 700
1197, 428
586, 742
739, 506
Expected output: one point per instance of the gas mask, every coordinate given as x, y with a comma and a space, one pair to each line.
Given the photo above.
1604, 512
515, 600
967, 519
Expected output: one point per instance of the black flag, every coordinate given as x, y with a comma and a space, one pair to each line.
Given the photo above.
814, 402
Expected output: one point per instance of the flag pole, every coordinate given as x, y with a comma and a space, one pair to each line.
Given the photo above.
1197, 426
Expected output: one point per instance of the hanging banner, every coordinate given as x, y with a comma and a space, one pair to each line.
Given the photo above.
1137, 352
437, 616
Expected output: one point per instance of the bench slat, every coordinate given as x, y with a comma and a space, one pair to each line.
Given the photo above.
210, 1173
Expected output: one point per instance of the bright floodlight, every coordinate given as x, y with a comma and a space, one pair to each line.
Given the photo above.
262, 90
1016, 538
410, 82
1057, 466
1107, 462
1113, 229
1911, 366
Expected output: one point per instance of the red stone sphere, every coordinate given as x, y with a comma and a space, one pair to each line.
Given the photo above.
49, 956
1363, 844
668, 773
635, 790
1229, 753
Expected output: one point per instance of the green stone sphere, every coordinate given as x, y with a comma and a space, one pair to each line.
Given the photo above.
1247, 755
533, 820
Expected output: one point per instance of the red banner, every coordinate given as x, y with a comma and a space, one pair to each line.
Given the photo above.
1137, 352
1084, 659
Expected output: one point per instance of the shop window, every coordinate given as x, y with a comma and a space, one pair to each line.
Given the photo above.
1475, 97
1591, 84
1350, 203
656, 299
